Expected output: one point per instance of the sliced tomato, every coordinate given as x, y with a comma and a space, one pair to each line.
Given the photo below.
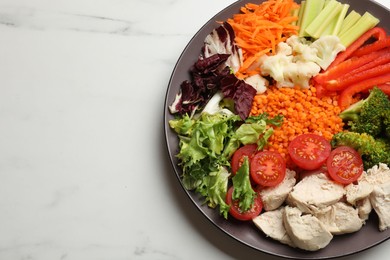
344, 165
267, 168
235, 210
238, 156
309, 151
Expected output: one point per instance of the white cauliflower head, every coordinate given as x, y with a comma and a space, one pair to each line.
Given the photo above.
298, 60
302, 50
299, 74
274, 65
257, 82
327, 49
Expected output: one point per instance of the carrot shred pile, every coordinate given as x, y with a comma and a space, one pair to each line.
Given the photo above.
259, 28
303, 113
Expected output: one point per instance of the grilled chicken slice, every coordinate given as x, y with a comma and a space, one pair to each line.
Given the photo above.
305, 230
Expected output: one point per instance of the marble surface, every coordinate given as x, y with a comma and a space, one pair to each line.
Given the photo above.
83, 167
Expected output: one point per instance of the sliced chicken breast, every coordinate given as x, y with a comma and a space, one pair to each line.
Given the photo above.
341, 218
271, 223
315, 192
364, 208
274, 197
379, 174
380, 201
357, 192
305, 230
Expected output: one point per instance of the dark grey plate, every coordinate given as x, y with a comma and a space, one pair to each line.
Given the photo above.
246, 232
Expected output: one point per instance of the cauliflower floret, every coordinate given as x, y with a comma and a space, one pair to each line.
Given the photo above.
299, 74
289, 70
327, 48
257, 82
297, 60
284, 48
275, 65
302, 49
295, 40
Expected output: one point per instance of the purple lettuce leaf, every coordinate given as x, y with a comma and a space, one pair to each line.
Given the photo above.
240, 92
206, 75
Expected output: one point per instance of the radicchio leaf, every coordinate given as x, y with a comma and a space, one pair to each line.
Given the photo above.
206, 75
221, 40
213, 72
241, 93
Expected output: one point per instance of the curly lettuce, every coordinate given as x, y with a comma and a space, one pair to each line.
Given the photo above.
207, 143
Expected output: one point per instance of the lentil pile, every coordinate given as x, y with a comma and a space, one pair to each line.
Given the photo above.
303, 113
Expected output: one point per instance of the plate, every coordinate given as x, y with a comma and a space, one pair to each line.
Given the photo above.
246, 232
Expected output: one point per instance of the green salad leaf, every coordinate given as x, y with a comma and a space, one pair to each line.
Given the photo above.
214, 188
242, 187
207, 142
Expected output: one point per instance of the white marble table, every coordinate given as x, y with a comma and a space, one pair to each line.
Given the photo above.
83, 168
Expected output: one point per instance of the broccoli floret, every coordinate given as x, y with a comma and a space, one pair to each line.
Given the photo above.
386, 123
368, 115
373, 151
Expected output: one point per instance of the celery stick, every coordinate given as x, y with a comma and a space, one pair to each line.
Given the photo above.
366, 22
300, 14
295, 12
349, 21
336, 26
310, 12
324, 18
326, 2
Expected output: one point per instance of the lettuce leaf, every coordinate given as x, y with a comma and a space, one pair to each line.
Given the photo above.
242, 187
183, 126
214, 188
255, 130
202, 144
207, 142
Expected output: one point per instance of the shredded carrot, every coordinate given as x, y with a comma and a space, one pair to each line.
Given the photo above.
303, 113
260, 27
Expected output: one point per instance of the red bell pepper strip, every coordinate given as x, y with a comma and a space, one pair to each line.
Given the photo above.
346, 96
321, 91
351, 78
385, 58
375, 46
376, 32
350, 65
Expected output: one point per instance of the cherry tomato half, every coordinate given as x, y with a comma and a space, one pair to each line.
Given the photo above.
238, 156
344, 165
267, 168
235, 210
309, 151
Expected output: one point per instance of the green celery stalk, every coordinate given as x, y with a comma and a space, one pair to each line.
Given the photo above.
300, 14
295, 12
366, 22
310, 12
340, 19
349, 21
335, 25
323, 19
